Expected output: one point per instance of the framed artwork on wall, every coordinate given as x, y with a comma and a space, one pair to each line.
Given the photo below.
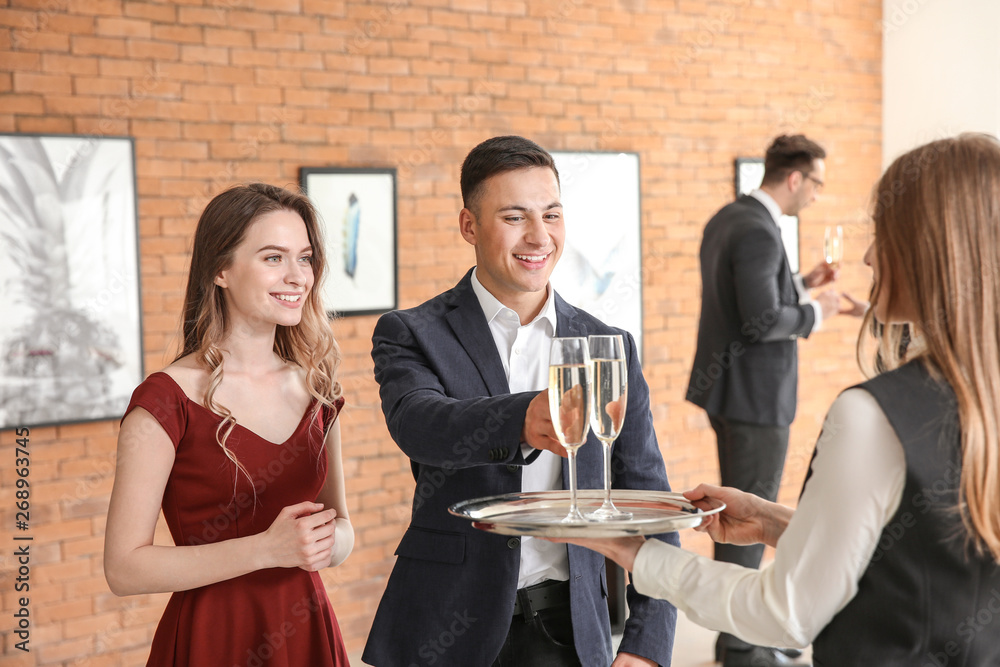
71, 331
357, 210
601, 266
749, 175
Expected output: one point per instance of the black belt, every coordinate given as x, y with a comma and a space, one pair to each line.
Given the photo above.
546, 595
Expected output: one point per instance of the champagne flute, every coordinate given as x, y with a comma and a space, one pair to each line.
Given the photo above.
569, 404
609, 392
833, 245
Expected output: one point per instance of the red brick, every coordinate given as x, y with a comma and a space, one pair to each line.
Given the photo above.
152, 50
165, 13
123, 27
251, 20
38, 40
34, 125
216, 55
183, 33
207, 16
98, 46
25, 82
267, 39
65, 650
24, 104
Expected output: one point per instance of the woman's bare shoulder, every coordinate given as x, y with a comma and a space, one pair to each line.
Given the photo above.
189, 375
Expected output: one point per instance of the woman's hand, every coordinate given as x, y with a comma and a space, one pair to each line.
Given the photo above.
747, 519
621, 550
855, 308
302, 535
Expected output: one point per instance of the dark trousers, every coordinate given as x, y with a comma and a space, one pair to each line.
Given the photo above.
751, 458
539, 638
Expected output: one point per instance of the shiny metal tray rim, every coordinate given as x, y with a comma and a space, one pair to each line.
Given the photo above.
490, 514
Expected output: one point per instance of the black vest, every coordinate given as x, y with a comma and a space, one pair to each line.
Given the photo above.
925, 599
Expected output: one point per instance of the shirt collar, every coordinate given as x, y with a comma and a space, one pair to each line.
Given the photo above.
492, 307
769, 203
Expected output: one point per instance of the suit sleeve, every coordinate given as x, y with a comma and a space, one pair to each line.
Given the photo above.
431, 427
638, 464
757, 261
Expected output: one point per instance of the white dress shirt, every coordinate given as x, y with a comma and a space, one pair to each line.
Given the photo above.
855, 488
524, 351
800, 285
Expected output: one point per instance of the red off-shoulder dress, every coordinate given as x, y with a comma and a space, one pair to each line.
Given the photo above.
279, 617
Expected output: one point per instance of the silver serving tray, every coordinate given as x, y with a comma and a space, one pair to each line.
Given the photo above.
540, 513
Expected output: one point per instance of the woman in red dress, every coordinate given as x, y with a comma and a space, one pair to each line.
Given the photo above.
237, 440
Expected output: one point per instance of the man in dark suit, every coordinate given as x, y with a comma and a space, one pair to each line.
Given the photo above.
753, 311
463, 381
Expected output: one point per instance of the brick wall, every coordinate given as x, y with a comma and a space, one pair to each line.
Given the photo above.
233, 90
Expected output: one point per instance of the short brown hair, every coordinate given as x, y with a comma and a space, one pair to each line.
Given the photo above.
496, 156
789, 153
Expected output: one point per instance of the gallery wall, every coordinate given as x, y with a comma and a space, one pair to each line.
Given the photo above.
941, 61
216, 92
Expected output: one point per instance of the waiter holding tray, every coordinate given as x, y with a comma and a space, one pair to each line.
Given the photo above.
463, 380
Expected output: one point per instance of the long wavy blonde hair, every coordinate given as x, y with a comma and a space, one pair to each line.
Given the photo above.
309, 344
937, 238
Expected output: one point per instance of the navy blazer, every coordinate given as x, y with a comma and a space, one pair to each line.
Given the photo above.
746, 363
450, 597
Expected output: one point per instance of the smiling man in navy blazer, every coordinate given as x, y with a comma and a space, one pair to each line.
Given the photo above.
463, 381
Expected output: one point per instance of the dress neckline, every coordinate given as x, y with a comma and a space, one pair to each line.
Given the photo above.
190, 400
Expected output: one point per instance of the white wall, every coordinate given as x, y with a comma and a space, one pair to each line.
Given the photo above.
941, 73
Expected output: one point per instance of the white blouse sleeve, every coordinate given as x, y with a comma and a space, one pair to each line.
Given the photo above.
855, 488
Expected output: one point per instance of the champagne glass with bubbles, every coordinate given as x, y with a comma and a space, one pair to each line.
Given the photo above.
569, 404
609, 395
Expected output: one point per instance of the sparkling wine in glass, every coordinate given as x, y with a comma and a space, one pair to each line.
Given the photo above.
609, 393
833, 245
569, 404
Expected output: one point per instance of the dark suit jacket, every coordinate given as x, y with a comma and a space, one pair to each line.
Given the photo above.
746, 364
450, 597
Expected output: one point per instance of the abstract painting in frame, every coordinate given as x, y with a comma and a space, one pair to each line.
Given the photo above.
71, 331
749, 175
601, 266
357, 209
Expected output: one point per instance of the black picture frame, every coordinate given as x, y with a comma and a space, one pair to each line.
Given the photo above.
749, 173
71, 334
357, 211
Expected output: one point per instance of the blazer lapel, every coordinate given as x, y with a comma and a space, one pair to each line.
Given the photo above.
776, 231
473, 333
567, 326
